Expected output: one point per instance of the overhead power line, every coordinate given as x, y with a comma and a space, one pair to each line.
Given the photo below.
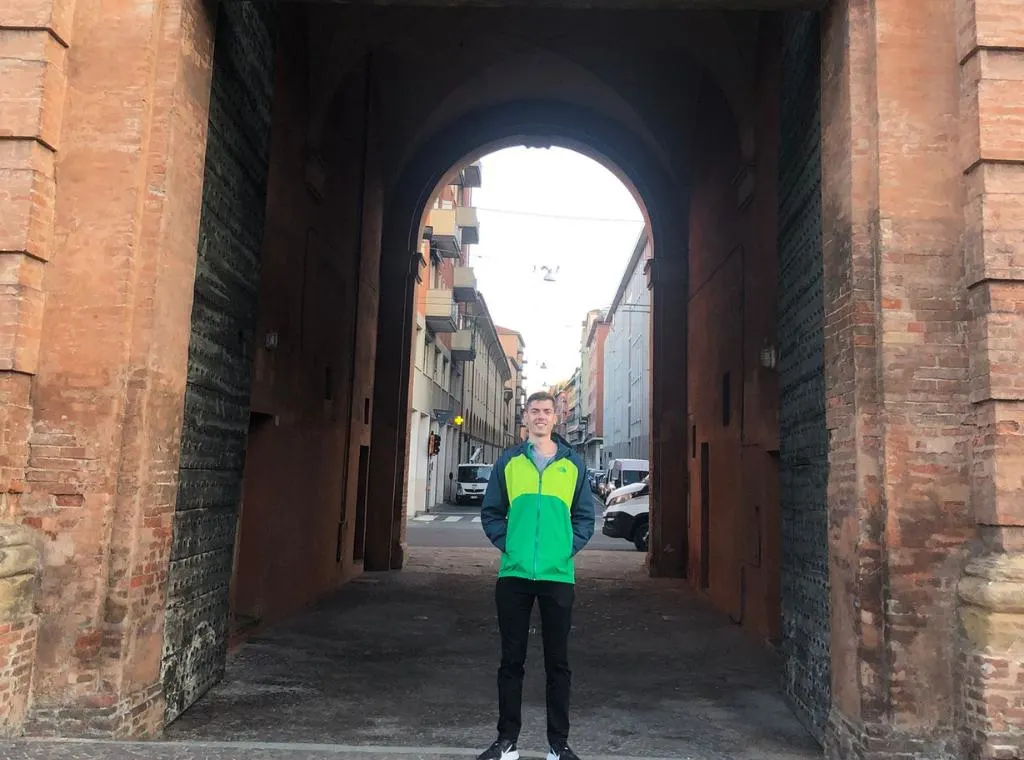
513, 212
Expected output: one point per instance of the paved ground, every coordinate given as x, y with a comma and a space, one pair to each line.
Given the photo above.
452, 526
403, 665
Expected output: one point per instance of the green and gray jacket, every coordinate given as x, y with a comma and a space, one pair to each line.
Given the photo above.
539, 520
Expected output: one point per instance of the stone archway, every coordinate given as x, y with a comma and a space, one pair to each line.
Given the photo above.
614, 146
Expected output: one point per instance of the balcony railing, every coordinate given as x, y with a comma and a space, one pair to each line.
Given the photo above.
465, 218
445, 233
471, 176
465, 285
464, 346
442, 313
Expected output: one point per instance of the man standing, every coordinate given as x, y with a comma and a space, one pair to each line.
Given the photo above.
538, 511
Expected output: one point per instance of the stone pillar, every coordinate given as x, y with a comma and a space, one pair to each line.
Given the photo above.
991, 55
34, 39
111, 100
896, 374
19, 579
390, 418
668, 280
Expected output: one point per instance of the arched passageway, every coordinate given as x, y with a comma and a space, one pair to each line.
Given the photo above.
211, 270
687, 157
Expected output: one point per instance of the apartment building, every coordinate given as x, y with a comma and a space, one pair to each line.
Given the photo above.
514, 346
595, 332
445, 288
573, 411
627, 362
487, 398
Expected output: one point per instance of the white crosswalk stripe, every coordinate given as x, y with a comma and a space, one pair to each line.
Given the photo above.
446, 518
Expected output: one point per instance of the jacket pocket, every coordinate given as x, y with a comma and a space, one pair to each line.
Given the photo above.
555, 546
519, 539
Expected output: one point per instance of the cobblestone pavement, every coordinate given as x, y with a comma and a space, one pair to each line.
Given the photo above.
402, 665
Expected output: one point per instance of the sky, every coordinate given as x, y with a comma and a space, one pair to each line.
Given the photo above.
559, 209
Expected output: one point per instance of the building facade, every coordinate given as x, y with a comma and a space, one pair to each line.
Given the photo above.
627, 363
487, 400
444, 291
595, 332
574, 432
514, 346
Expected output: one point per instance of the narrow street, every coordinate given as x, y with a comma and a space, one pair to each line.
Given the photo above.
452, 526
403, 664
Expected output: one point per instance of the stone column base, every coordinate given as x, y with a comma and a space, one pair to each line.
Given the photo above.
991, 597
849, 740
19, 579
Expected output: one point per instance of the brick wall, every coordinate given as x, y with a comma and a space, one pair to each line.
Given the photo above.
895, 366
733, 397
803, 456
104, 161
310, 387
216, 416
991, 55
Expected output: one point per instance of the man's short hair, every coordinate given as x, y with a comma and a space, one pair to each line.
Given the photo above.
539, 396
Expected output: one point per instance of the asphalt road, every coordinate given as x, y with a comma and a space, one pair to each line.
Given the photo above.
450, 526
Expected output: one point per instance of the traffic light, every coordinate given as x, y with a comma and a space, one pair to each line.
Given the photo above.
433, 444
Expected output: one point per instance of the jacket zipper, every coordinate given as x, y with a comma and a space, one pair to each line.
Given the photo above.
536, 521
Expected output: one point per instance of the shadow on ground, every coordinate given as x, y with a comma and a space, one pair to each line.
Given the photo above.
408, 660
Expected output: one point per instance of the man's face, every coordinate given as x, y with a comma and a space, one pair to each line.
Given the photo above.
540, 417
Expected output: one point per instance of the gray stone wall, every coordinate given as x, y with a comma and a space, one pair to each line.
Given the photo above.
216, 417
804, 437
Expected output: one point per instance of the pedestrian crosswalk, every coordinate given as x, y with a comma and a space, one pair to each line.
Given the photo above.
446, 518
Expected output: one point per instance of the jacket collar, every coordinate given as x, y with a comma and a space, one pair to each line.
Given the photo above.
564, 449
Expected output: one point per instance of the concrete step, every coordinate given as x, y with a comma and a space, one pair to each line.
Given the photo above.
67, 749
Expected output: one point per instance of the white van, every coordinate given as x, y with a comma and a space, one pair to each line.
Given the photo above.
626, 472
471, 482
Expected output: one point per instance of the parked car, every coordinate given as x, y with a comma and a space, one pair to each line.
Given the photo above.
471, 483
595, 479
629, 519
626, 493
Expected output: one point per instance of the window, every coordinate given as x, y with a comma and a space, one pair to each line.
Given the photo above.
421, 346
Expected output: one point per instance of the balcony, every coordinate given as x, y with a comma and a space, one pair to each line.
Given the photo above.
464, 346
471, 176
442, 312
445, 233
465, 285
465, 219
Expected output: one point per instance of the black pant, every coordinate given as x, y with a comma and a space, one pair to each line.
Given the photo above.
514, 597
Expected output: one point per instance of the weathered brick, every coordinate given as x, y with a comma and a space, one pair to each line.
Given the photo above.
216, 415
32, 83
